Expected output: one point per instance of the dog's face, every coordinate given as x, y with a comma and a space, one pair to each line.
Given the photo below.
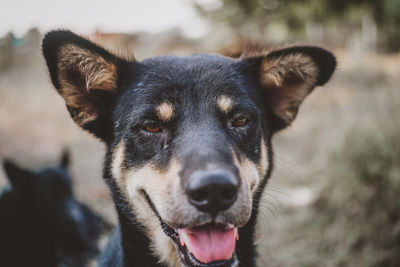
188, 137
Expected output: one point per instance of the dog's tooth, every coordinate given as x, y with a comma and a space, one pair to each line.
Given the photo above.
236, 233
182, 241
229, 226
185, 240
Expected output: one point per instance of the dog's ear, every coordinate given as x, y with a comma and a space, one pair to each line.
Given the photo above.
286, 77
19, 178
86, 76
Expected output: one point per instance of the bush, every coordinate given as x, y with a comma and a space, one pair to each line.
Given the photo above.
360, 205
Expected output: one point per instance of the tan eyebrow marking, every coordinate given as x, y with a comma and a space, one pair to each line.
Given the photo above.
165, 111
225, 103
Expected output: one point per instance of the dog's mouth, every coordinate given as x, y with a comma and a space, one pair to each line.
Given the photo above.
207, 245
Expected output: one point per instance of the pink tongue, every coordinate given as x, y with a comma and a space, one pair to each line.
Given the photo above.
209, 244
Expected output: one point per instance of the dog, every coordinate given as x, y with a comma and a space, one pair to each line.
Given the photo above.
188, 142
42, 224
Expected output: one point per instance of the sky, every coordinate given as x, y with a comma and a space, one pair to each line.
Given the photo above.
85, 16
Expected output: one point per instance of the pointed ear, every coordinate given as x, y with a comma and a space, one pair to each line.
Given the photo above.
86, 76
65, 158
18, 177
287, 76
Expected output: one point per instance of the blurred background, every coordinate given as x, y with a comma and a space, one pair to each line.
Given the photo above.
333, 199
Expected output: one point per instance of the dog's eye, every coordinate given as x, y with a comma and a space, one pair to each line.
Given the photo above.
239, 121
152, 128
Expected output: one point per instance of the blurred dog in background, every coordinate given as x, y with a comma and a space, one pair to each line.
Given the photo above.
41, 222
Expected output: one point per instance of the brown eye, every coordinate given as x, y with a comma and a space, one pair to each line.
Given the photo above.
239, 122
152, 128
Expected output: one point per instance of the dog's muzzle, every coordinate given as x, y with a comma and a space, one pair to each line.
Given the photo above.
207, 245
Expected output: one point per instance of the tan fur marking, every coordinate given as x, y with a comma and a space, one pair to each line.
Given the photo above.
225, 103
275, 71
290, 79
159, 184
165, 111
164, 247
250, 172
118, 158
263, 165
93, 70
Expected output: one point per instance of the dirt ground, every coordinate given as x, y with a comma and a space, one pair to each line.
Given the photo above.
35, 127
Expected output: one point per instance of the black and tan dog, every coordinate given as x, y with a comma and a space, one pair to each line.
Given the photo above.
188, 142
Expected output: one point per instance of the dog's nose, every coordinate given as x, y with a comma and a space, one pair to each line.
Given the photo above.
212, 191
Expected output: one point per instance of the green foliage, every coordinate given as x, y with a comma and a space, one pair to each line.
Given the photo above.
391, 23
296, 13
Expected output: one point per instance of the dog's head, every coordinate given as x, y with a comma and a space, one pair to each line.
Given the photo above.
188, 137
46, 192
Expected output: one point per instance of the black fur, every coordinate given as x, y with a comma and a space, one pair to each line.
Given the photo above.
42, 224
198, 133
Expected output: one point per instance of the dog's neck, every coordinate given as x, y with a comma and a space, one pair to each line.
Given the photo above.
135, 244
